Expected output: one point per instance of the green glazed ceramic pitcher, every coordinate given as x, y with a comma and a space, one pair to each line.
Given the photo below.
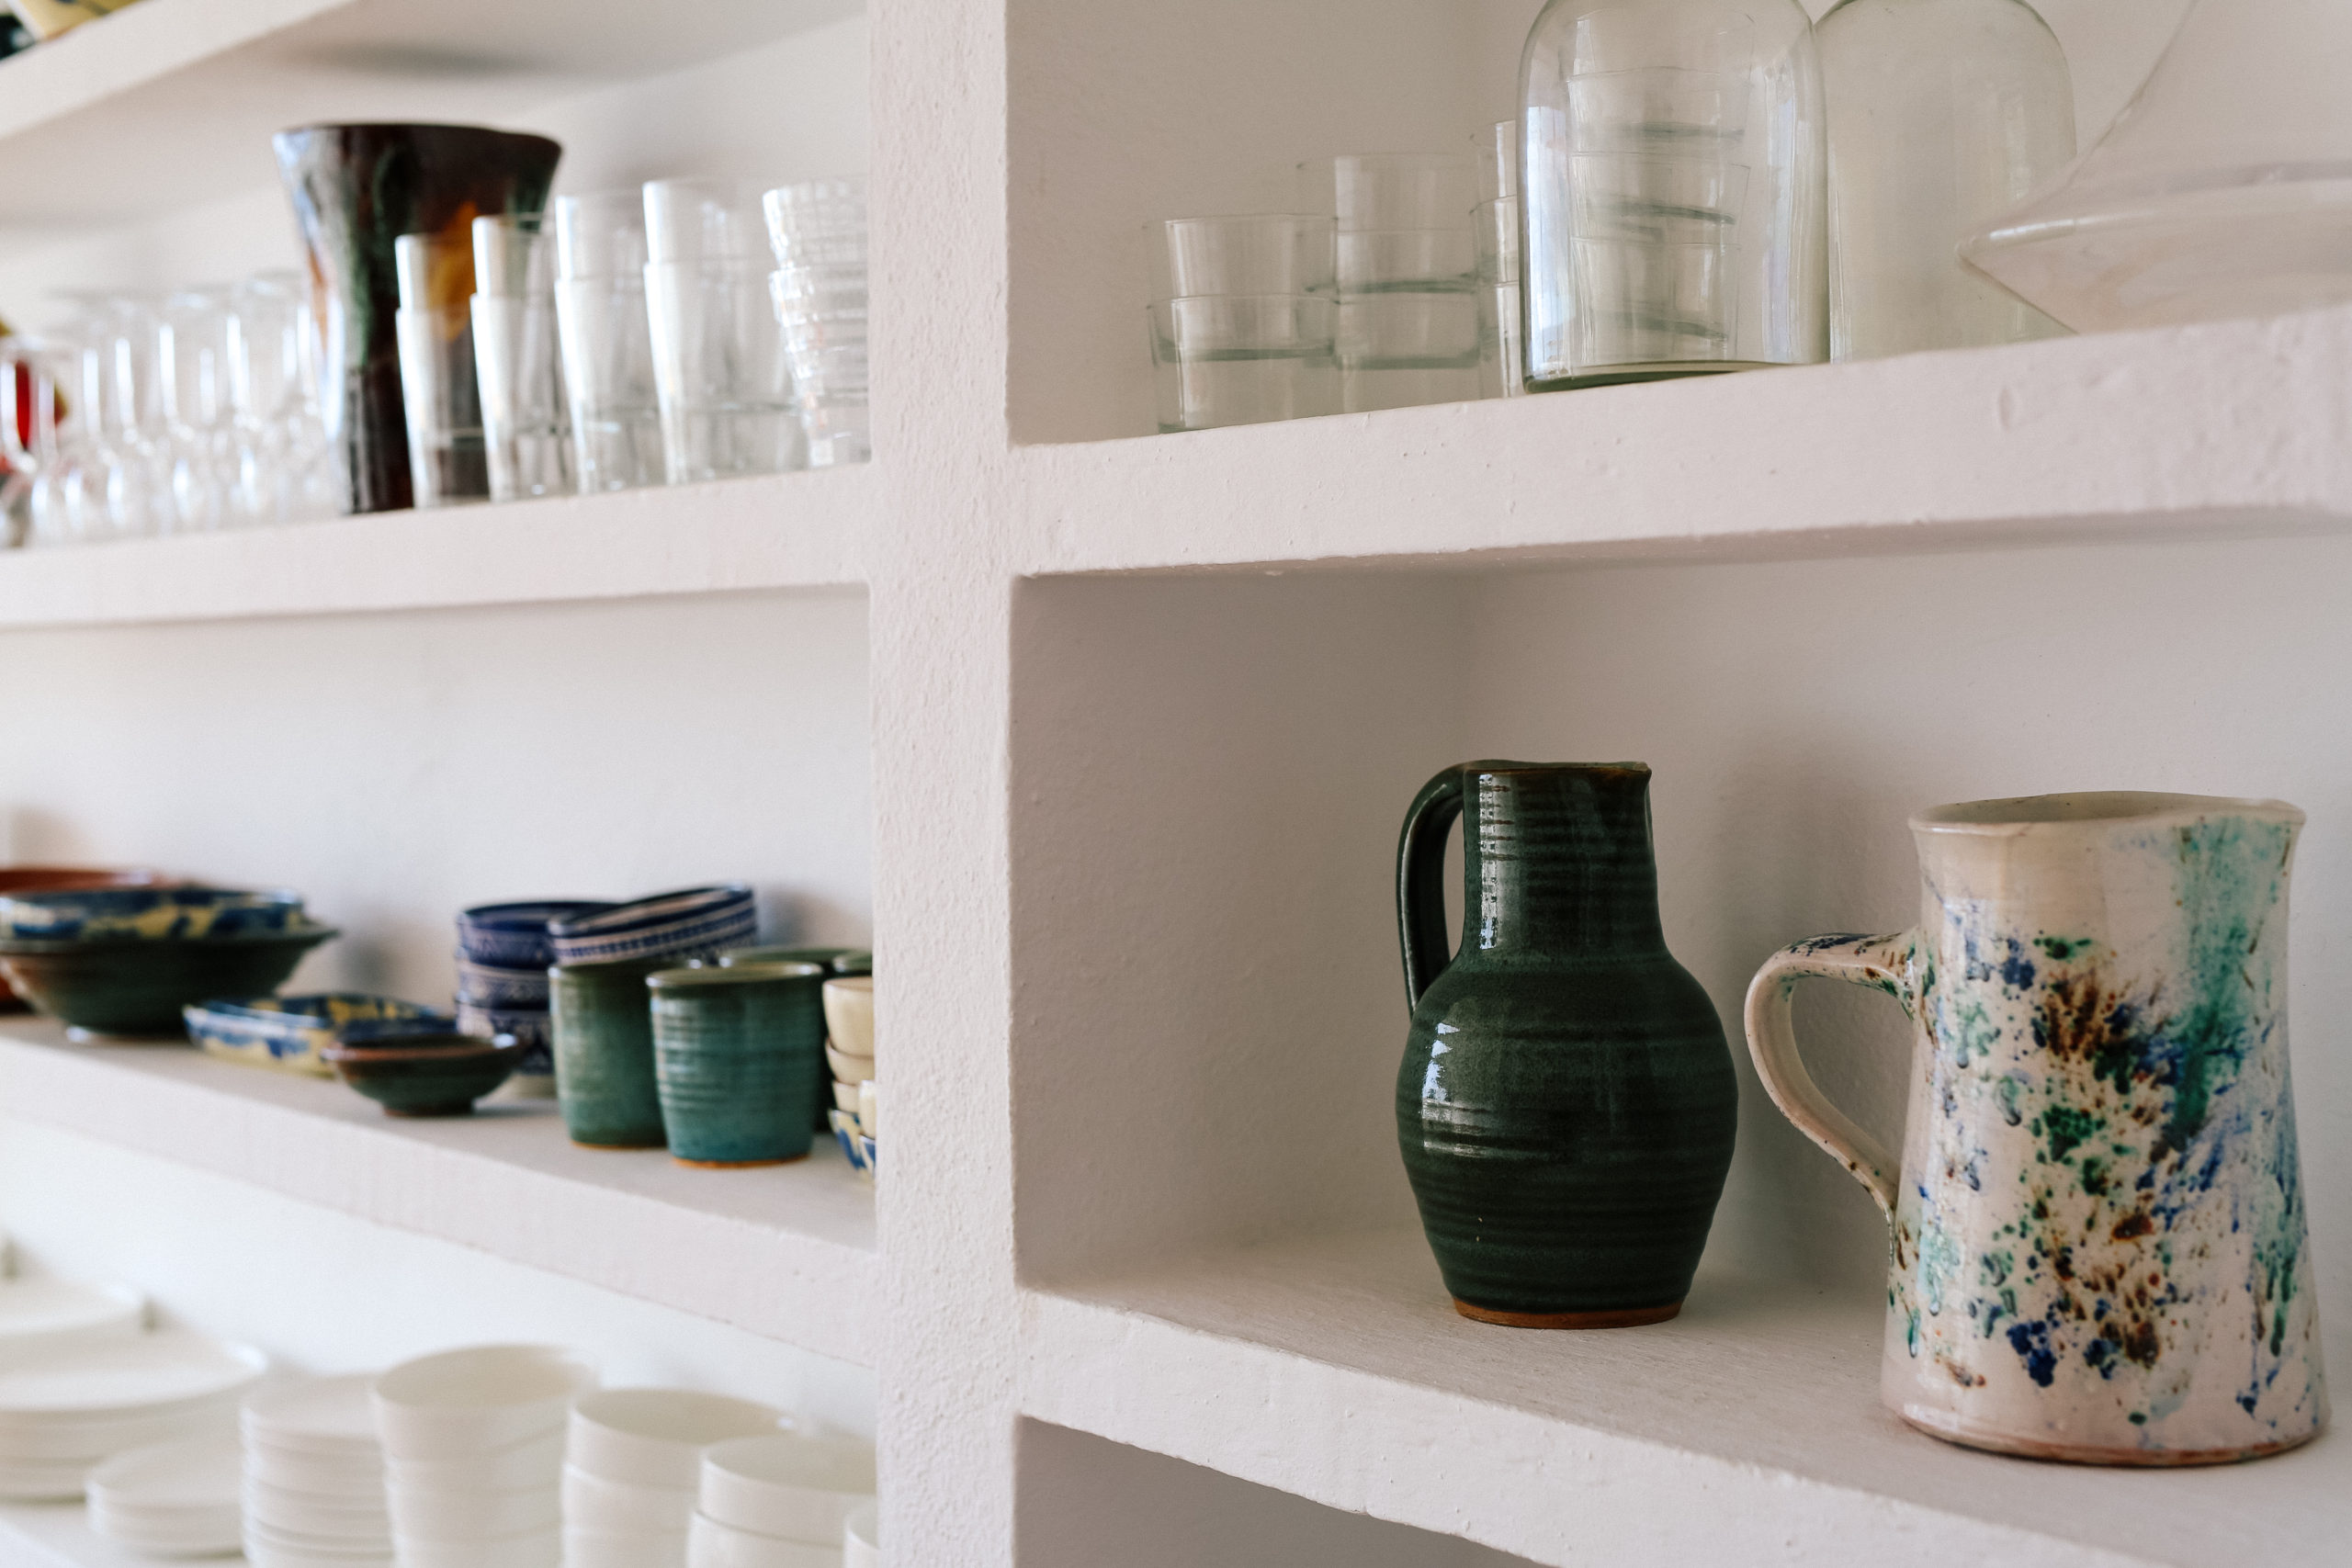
1567, 1103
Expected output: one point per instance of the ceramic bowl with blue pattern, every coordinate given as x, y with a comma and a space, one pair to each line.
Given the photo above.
493, 985
697, 923
290, 1032
514, 936
147, 914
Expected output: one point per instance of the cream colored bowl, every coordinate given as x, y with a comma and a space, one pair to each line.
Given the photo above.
849, 1015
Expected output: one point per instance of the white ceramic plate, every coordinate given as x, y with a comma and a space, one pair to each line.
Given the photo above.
325, 1416
192, 1476
153, 1375
36, 1314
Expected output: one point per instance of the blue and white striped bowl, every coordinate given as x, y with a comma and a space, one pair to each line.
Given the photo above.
699, 922
288, 1032
514, 936
489, 986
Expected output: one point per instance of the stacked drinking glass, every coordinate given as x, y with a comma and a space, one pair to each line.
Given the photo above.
1502, 353
718, 361
526, 428
1408, 308
607, 347
818, 287
1244, 319
446, 462
314, 1478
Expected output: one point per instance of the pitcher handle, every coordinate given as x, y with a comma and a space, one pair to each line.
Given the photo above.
1420, 893
1882, 963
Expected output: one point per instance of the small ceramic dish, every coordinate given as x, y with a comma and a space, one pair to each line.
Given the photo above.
514, 936
426, 1075
491, 986
654, 1438
476, 1403
845, 1134
697, 922
710, 1544
848, 1068
849, 1015
288, 1032
787, 1486
146, 914
862, 1536
846, 1097
529, 1025
138, 987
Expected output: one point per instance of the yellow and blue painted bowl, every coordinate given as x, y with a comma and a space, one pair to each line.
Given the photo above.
147, 914
291, 1034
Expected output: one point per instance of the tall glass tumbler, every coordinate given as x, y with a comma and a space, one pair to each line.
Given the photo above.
1672, 172
192, 387
1407, 275
1244, 319
819, 232
605, 337
448, 464
283, 469
527, 427
1502, 346
719, 365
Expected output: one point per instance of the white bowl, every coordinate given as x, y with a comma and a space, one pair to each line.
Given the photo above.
483, 1401
265, 1550
440, 1513
39, 1318
849, 1015
259, 1533
321, 1519
862, 1536
847, 1069
710, 1544
593, 1502
539, 1462
846, 1097
149, 1377
789, 1486
617, 1549
654, 1437
545, 1550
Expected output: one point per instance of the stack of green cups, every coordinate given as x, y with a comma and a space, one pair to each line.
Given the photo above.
737, 1055
603, 1052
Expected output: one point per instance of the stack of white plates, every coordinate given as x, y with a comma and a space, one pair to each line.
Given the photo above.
60, 1417
631, 1463
175, 1500
473, 1455
41, 1317
314, 1477
779, 1502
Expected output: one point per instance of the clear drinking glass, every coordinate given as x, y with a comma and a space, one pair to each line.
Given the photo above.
527, 427
192, 390
1502, 349
1943, 114
123, 491
1244, 319
283, 469
447, 462
42, 445
720, 365
1408, 274
1672, 176
606, 340
817, 230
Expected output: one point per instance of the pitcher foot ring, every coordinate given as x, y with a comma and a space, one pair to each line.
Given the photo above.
1621, 1317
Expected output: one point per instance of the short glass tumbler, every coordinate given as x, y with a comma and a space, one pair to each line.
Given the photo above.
819, 232
1671, 172
603, 1052
739, 1052
1244, 320
1502, 347
1406, 266
526, 426
607, 341
448, 463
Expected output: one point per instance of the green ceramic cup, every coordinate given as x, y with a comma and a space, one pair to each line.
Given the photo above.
837, 960
736, 1053
603, 1052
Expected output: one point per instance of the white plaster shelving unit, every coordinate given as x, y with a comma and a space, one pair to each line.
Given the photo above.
1104, 737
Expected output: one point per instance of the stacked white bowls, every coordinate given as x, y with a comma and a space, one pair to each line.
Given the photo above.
782, 1501
862, 1537
174, 1500
473, 1454
63, 1413
633, 1460
314, 1477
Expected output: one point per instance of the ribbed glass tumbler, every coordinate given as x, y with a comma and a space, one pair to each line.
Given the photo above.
607, 341
719, 365
1407, 270
818, 288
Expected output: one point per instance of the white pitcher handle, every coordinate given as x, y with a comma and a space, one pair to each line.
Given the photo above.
1882, 963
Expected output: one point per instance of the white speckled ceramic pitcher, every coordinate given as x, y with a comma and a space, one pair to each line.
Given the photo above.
2098, 1247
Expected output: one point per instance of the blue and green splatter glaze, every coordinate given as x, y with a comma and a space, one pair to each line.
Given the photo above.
2098, 1237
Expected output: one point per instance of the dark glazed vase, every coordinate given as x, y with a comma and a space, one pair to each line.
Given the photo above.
1567, 1105
355, 189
